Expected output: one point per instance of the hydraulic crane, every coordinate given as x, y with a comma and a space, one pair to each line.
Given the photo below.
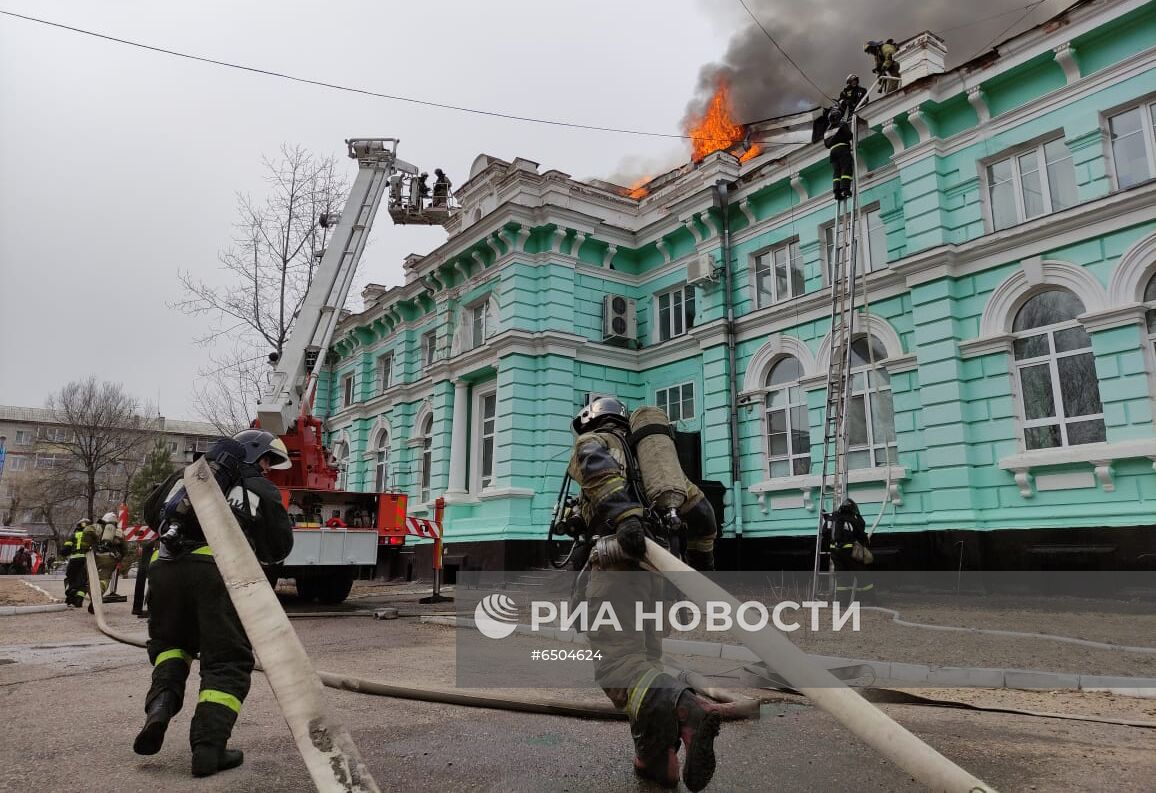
324, 568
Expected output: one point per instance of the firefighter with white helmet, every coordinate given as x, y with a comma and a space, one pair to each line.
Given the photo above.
84, 536
633, 487
110, 549
190, 612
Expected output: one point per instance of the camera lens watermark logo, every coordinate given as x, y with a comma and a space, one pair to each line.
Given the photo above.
496, 616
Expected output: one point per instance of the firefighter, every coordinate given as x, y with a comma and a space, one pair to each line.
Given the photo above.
845, 533
84, 536
886, 67
110, 549
441, 188
837, 138
190, 612
851, 95
663, 711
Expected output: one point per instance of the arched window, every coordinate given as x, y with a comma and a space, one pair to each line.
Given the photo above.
426, 459
341, 460
870, 414
381, 463
1150, 299
1056, 371
788, 433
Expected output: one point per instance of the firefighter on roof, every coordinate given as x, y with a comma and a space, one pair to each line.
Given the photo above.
851, 96
190, 612
886, 67
616, 494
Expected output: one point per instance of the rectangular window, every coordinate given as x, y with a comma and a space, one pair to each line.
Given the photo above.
677, 401
481, 323
385, 371
485, 411
53, 434
23, 437
428, 348
1133, 138
347, 390
17, 462
870, 244
1035, 182
778, 274
675, 312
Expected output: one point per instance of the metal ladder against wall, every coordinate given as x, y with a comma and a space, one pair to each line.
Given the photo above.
843, 276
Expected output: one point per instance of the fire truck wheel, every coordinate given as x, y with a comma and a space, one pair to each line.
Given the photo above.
335, 587
308, 588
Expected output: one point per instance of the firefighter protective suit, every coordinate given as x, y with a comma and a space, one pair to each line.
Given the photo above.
662, 710
837, 138
191, 614
84, 537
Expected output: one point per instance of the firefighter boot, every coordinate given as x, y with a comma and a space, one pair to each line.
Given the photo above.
208, 734
698, 726
157, 716
208, 759
654, 727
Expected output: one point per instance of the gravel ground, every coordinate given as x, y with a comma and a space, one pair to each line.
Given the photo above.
14, 592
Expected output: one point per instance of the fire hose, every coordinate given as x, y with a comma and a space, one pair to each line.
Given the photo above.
867, 722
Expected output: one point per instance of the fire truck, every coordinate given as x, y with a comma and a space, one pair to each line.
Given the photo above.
337, 533
12, 540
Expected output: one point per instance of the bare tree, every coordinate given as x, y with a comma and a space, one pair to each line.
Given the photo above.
52, 493
103, 428
269, 266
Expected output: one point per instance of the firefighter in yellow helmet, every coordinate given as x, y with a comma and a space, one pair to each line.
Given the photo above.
84, 536
190, 612
619, 499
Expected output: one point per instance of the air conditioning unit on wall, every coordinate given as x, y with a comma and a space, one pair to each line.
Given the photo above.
700, 269
619, 319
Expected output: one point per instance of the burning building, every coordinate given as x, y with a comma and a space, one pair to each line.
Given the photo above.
1008, 252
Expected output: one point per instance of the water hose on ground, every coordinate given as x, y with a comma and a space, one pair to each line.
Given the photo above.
867, 722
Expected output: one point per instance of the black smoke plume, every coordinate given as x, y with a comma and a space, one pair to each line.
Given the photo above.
826, 39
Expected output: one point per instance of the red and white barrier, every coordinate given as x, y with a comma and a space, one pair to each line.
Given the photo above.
421, 527
139, 534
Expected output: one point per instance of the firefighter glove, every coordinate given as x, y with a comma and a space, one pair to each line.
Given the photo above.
632, 537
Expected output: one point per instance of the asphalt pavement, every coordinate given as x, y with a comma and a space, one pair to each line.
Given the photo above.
72, 701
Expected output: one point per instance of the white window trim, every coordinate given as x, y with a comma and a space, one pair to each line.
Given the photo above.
1143, 102
870, 390
384, 371
808, 485
656, 333
425, 460
1100, 456
342, 463
863, 246
754, 275
476, 437
348, 390
766, 431
1052, 359
680, 386
428, 357
378, 448
488, 324
17, 462
1012, 154
29, 437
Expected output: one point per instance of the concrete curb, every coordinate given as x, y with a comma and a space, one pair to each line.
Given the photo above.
11, 611
930, 675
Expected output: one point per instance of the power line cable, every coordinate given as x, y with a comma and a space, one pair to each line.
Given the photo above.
984, 19
348, 89
784, 53
999, 36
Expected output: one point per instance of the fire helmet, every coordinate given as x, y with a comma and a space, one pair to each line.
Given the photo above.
80, 524
109, 517
601, 411
259, 443
852, 77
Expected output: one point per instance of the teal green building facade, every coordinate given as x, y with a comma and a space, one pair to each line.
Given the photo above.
1005, 387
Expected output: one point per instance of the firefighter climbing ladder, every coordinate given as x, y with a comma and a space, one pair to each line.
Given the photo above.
843, 276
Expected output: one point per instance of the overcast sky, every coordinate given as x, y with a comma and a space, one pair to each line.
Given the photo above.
119, 167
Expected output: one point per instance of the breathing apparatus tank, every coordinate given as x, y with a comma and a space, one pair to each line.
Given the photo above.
653, 440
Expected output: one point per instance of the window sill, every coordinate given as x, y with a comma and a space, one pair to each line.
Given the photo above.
492, 493
1099, 456
808, 483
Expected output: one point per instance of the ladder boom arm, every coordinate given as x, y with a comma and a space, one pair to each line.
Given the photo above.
295, 372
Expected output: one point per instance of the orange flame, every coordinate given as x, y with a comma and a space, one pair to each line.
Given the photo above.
716, 129
638, 190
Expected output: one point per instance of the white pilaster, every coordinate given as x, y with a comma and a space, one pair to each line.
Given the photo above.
458, 438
